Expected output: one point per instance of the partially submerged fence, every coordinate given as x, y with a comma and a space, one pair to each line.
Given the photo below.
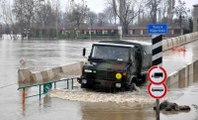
44, 87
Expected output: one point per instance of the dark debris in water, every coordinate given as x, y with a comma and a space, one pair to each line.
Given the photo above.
170, 106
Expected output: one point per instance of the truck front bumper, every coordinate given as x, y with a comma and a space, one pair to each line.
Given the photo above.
100, 83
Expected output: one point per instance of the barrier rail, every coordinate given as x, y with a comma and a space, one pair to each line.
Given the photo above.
177, 42
46, 87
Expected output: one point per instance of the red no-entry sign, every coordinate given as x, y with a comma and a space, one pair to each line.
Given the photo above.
157, 91
157, 75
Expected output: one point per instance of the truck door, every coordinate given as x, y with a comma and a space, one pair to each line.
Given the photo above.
133, 67
138, 60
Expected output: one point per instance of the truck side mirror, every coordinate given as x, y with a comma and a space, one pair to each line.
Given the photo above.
84, 52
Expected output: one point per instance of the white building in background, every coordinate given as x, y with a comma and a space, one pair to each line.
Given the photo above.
11, 36
195, 18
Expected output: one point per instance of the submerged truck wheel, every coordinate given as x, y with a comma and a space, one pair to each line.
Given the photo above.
86, 86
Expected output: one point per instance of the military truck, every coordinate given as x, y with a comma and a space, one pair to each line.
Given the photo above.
116, 64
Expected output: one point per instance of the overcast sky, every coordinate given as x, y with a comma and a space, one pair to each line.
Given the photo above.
98, 5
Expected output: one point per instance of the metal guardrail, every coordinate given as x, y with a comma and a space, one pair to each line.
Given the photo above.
46, 87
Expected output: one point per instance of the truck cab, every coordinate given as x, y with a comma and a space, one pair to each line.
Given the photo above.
116, 64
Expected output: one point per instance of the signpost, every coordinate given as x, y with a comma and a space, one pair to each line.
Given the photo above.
157, 88
157, 75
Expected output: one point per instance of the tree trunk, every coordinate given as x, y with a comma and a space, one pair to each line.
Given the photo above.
125, 28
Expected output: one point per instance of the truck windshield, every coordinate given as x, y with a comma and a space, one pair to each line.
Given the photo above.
110, 53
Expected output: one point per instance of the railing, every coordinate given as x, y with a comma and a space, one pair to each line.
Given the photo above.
46, 87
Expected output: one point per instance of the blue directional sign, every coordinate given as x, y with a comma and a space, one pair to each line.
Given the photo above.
157, 29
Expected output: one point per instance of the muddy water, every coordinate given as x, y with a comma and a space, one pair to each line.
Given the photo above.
127, 105
46, 54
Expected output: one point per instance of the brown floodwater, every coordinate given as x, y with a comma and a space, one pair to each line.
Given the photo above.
107, 106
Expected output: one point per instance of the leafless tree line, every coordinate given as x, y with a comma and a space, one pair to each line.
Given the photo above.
23, 15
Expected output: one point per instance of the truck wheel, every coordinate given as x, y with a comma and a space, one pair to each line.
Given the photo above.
112, 90
82, 86
131, 87
144, 78
86, 86
141, 79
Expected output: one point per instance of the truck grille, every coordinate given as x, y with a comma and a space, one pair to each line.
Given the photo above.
90, 76
105, 75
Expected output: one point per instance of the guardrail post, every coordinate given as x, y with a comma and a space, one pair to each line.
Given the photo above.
39, 92
67, 84
72, 83
23, 95
45, 88
55, 85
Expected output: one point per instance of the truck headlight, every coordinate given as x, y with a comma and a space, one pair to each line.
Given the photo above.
118, 76
84, 81
88, 71
118, 85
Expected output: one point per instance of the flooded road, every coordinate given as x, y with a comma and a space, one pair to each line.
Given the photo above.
47, 54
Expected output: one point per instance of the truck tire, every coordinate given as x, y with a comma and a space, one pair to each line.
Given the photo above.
131, 87
86, 86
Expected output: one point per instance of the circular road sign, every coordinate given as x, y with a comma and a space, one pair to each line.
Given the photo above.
157, 75
157, 91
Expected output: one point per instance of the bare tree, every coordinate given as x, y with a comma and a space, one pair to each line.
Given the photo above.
49, 17
57, 12
153, 5
45, 15
126, 11
6, 13
102, 19
170, 10
24, 11
143, 19
91, 18
181, 11
78, 13
110, 14
8, 18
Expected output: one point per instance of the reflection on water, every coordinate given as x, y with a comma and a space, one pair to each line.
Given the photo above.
113, 111
40, 55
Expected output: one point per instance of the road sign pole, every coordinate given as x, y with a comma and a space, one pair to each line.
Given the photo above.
156, 30
157, 49
157, 110
157, 59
